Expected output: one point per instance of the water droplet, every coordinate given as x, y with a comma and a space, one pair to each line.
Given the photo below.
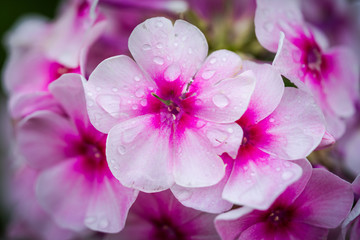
224, 59
158, 60
90, 220
271, 120
176, 44
121, 149
104, 223
220, 100
90, 103
172, 72
184, 38
129, 135
146, 47
269, 26
207, 74
143, 102
286, 175
230, 130
213, 60
137, 78
190, 51
115, 89
277, 169
252, 174
139, 93
159, 24
110, 103
98, 89
159, 45
150, 88
134, 107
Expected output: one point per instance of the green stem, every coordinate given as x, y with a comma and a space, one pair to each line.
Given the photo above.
166, 102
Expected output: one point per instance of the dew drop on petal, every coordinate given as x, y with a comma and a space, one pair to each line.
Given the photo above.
286, 175
110, 103
207, 74
90, 103
139, 92
213, 60
184, 38
98, 89
220, 100
158, 60
143, 102
278, 169
146, 47
224, 59
121, 149
150, 88
172, 72
129, 135
159, 45
134, 107
137, 78
271, 120
230, 130
176, 44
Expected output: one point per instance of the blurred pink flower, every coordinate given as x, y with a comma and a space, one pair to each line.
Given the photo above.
160, 216
43, 51
170, 123
318, 201
74, 185
331, 75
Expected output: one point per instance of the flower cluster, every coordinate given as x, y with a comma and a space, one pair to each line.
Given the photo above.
218, 120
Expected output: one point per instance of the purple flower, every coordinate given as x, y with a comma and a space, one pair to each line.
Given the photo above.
74, 186
318, 201
160, 216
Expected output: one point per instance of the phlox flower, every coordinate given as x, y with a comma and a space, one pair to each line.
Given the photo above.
171, 113
280, 124
330, 74
74, 184
307, 209
160, 216
44, 51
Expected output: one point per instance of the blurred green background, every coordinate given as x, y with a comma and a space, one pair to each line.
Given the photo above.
10, 12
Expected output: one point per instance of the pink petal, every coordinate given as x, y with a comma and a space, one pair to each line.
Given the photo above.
196, 163
109, 206
341, 81
111, 89
258, 231
64, 194
325, 201
207, 199
44, 128
156, 45
258, 179
222, 137
271, 17
327, 141
231, 224
268, 91
69, 92
296, 230
218, 65
226, 100
139, 154
295, 128
24, 104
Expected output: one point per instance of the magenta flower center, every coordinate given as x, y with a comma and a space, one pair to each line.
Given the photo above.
313, 58
279, 217
165, 230
57, 70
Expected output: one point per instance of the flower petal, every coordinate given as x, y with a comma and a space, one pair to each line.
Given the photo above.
227, 100
139, 154
295, 128
109, 206
156, 44
325, 201
116, 91
257, 179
